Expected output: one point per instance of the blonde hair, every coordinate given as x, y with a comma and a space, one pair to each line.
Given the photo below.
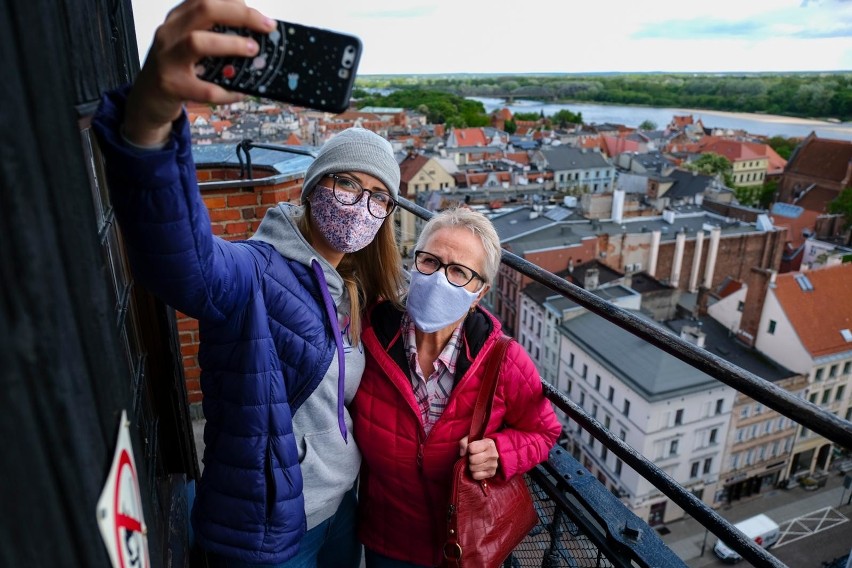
478, 224
370, 274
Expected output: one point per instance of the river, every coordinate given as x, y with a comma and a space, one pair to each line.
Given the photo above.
763, 124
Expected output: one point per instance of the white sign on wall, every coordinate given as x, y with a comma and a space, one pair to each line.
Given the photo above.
119, 508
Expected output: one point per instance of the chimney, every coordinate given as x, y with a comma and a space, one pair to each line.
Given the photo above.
701, 301
591, 280
618, 206
693, 334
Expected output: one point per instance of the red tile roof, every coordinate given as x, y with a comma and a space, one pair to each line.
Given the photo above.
817, 199
293, 140
470, 137
819, 315
823, 158
411, 166
730, 287
733, 150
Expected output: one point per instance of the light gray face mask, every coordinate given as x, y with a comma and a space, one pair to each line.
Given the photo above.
433, 303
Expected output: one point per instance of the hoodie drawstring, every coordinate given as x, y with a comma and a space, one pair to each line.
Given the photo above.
331, 310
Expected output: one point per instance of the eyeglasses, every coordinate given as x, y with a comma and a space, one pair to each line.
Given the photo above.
457, 274
348, 192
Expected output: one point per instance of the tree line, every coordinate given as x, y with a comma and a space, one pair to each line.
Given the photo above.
811, 95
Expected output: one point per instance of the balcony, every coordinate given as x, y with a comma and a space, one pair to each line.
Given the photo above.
582, 522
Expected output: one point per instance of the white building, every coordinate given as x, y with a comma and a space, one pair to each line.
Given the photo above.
667, 410
806, 326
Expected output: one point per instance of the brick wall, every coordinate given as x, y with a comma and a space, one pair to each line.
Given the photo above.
234, 215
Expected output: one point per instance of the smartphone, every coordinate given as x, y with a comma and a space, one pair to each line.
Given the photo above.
296, 64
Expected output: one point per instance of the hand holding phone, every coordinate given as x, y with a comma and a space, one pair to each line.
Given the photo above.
297, 64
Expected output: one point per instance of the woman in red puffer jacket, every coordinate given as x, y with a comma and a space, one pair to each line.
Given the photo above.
413, 410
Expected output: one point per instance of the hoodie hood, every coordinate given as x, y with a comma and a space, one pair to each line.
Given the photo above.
278, 228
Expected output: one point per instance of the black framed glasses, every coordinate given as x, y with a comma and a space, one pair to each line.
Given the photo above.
348, 191
457, 274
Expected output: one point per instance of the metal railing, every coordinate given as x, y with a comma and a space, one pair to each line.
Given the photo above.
830, 426
581, 522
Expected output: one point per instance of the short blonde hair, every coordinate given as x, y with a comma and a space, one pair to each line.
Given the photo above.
478, 224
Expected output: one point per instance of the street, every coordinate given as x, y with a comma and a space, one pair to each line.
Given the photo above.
814, 525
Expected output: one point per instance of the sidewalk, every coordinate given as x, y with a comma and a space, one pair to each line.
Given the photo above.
687, 534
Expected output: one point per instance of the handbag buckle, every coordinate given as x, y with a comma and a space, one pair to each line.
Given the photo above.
452, 551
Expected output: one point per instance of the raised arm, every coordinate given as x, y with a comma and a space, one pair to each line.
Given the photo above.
144, 135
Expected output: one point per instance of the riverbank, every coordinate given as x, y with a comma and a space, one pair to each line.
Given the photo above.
632, 115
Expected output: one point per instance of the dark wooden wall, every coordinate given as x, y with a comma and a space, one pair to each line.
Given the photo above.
78, 342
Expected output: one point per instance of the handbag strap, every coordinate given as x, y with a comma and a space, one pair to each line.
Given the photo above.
485, 399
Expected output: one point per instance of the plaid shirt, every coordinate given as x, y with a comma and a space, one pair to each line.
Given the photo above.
432, 393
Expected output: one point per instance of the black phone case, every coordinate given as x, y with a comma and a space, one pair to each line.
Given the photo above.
296, 64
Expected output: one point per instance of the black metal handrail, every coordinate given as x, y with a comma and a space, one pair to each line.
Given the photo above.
806, 413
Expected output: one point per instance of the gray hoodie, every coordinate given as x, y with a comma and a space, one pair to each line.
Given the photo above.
329, 464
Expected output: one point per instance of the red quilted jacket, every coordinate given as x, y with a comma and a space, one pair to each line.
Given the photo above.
405, 476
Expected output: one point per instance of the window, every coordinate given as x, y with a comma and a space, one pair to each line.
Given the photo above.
847, 366
813, 397
740, 306
626, 411
604, 453
838, 395
606, 422
708, 465
582, 398
570, 384
758, 408
772, 324
693, 471
826, 396
713, 433
622, 434
610, 394
595, 411
678, 417
832, 372
673, 448
618, 468
735, 461
571, 360
585, 370
746, 410
719, 405
818, 374
597, 383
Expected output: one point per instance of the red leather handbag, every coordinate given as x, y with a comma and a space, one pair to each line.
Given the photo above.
486, 519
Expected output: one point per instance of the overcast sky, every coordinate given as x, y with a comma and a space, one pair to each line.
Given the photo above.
557, 36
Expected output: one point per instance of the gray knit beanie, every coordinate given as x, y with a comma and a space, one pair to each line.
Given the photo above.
354, 150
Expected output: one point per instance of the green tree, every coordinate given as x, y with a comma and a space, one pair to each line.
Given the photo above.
565, 117
648, 125
783, 146
842, 205
510, 127
533, 116
713, 164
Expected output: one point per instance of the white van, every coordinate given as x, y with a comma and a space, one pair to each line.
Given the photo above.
760, 528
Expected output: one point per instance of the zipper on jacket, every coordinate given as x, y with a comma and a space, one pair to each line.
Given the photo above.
269, 473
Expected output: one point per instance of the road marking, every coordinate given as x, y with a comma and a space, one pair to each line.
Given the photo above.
807, 525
